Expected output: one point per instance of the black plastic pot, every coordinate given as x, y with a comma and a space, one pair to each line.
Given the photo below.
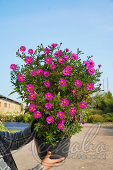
57, 151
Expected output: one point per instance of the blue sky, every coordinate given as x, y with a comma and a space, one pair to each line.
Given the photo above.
87, 25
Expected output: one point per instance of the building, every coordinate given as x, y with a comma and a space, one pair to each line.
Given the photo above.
9, 105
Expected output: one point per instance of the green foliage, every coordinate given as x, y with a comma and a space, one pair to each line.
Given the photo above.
108, 117
103, 102
2, 127
94, 118
95, 111
78, 72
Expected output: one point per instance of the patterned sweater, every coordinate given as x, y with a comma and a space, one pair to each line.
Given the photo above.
13, 141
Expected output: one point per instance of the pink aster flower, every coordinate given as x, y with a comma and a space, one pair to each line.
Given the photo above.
32, 95
50, 119
72, 111
33, 72
52, 66
46, 83
69, 68
66, 49
28, 60
57, 53
82, 104
30, 51
46, 50
48, 60
39, 71
78, 83
61, 126
46, 73
91, 62
65, 57
29, 87
62, 121
61, 60
65, 102
73, 92
60, 114
83, 122
48, 96
37, 114
53, 45
20, 77
99, 65
13, 67
48, 105
66, 72
44, 94
91, 70
32, 108
22, 48
89, 86
62, 82
74, 56
86, 63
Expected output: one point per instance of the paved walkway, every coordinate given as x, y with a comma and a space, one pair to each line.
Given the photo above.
91, 149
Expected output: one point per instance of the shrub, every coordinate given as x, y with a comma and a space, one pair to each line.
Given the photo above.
108, 117
94, 118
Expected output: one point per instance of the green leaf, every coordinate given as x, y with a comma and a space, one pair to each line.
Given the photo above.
12, 92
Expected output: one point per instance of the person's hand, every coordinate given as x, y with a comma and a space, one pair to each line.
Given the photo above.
48, 163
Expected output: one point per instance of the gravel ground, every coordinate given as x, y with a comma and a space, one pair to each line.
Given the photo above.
93, 150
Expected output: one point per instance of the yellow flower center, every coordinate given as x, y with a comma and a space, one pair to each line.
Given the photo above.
29, 87
66, 71
74, 56
56, 52
60, 125
89, 86
48, 60
20, 77
48, 96
37, 114
22, 48
47, 83
77, 83
31, 95
38, 71
91, 70
62, 82
49, 119
28, 60
64, 102
82, 104
32, 107
72, 110
12, 66
60, 114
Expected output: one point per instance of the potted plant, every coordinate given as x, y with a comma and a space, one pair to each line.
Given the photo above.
55, 84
